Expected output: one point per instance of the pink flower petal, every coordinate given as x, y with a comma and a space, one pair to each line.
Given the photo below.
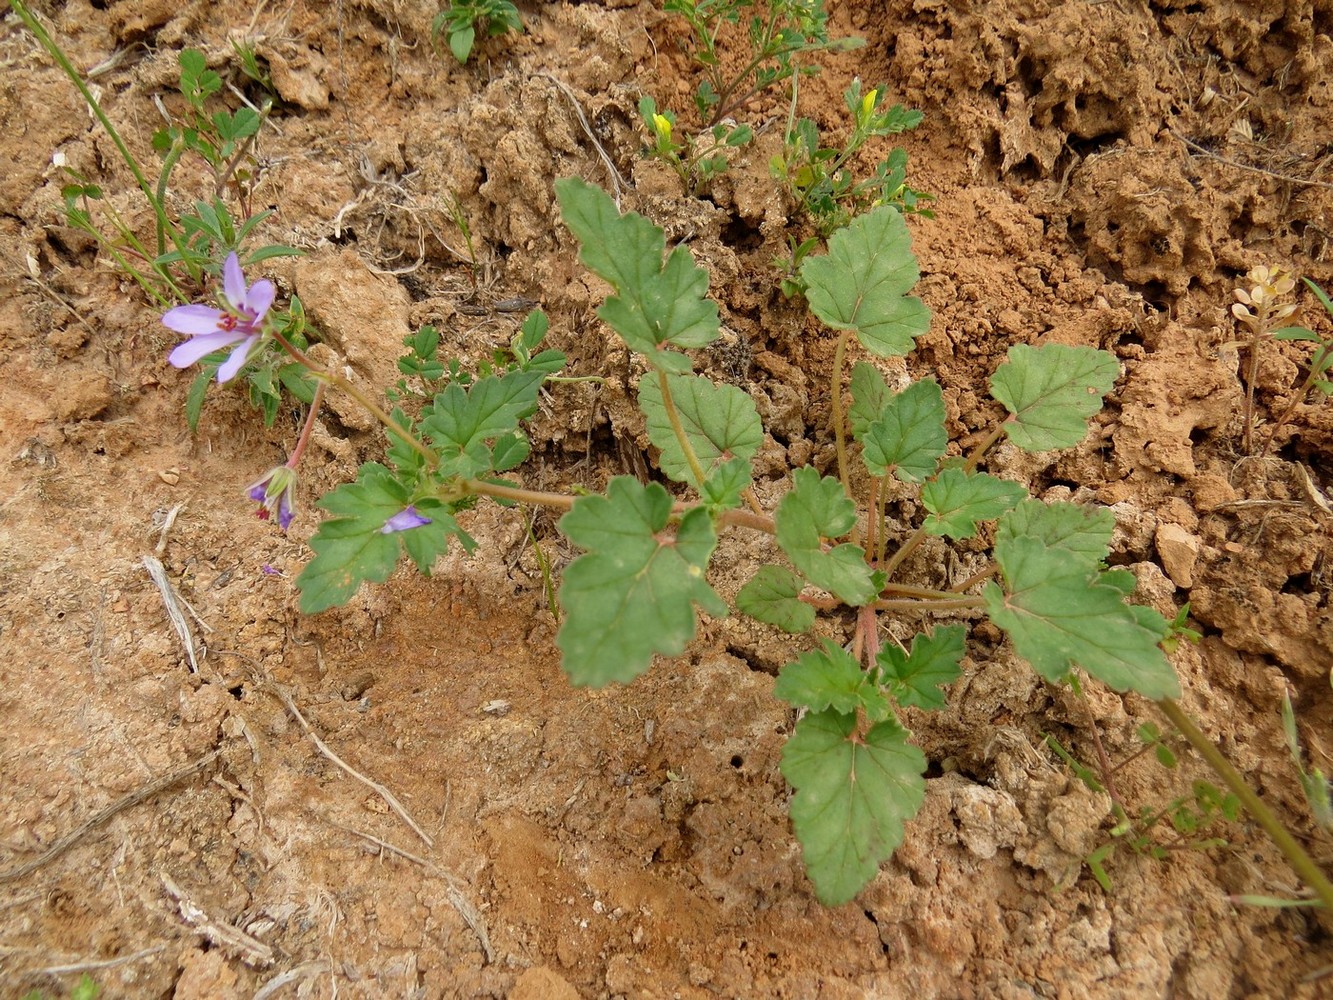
233, 364
193, 350
233, 281
259, 298
193, 319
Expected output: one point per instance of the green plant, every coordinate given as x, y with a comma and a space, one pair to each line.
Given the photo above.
194, 245
1317, 787
1259, 310
635, 591
1153, 830
697, 159
462, 19
775, 32
85, 989
818, 178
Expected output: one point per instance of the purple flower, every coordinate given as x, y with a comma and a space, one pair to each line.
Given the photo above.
404, 520
213, 329
275, 494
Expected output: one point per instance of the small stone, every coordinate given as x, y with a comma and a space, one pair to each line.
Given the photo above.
1179, 551
1211, 492
169, 476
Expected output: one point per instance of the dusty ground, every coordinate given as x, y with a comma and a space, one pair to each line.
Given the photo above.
1103, 173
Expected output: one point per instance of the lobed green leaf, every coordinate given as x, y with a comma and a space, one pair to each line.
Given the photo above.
830, 677
1061, 612
351, 547
915, 678
1073, 527
1052, 391
815, 509
720, 421
654, 304
958, 501
461, 421
862, 283
771, 597
908, 437
633, 592
852, 798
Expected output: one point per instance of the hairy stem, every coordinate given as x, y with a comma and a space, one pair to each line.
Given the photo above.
306, 430
839, 417
983, 446
904, 550
1300, 861
669, 405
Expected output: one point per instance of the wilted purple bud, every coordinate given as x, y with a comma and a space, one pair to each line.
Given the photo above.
275, 493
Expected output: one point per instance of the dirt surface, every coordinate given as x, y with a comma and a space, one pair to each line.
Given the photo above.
1103, 171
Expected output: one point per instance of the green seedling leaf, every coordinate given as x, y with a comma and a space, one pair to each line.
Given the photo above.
654, 304
908, 437
870, 395
726, 485
1052, 391
1060, 612
915, 678
958, 501
829, 677
862, 283
852, 797
771, 596
353, 547
721, 422
1073, 527
461, 421
633, 592
815, 509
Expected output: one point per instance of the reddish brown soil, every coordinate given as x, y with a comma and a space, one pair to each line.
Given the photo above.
1104, 171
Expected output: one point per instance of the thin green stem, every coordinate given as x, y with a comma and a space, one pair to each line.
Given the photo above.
904, 550
337, 381
984, 446
62, 60
839, 417
952, 604
925, 593
669, 405
168, 165
1300, 861
516, 494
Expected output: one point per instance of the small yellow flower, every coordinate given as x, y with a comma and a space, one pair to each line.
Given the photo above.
868, 104
663, 126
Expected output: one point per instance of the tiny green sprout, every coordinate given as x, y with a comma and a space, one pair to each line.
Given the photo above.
462, 19
695, 159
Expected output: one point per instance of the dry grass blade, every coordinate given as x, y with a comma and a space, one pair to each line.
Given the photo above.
451, 887
124, 802
248, 948
172, 604
374, 786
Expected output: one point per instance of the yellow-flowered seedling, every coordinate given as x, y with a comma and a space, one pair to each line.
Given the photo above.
696, 159
1260, 311
821, 183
